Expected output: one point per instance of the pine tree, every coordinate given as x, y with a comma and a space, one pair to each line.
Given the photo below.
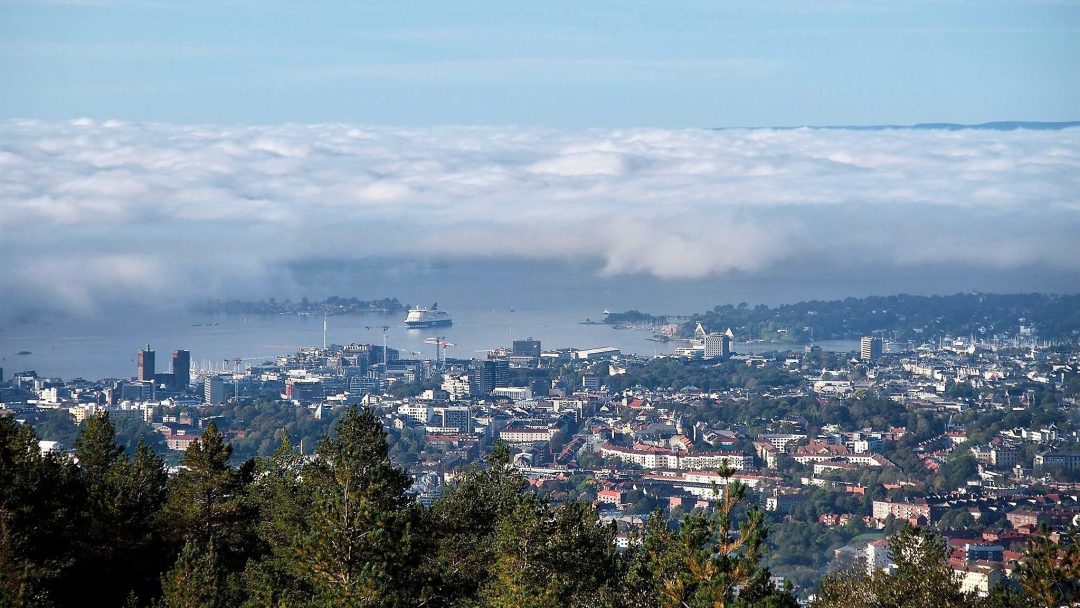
1050, 572
138, 487
197, 580
461, 527
708, 561
553, 557
273, 579
357, 544
922, 577
96, 448
40, 496
208, 503
118, 549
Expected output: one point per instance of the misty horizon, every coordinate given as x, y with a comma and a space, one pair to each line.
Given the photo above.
157, 215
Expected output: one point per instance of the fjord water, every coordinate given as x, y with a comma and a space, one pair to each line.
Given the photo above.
492, 303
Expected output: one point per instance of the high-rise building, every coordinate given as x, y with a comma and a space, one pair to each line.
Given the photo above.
485, 376
717, 346
870, 348
146, 365
527, 348
213, 390
181, 369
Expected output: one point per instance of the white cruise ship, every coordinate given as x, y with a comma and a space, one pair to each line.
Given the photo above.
427, 317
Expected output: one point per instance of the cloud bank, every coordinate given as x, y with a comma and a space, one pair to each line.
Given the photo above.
97, 212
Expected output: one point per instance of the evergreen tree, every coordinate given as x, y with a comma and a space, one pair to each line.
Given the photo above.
274, 579
96, 449
40, 516
552, 557
119, 552
356, 544
1050, 572
462, 525
922, 577
197, 580
208, 503
708, 561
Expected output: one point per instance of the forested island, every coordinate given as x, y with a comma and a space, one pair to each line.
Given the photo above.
272, 306
899, 317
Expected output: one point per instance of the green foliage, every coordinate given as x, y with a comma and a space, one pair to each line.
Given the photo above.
39, 519
957, 470
339, 528
708, 561
1049, 574
264, 421
467, 516
922, 577
198, 580
208, 502
801, 550
119, 548
676, 374
552, 557
906, 316
356, 547
634, 317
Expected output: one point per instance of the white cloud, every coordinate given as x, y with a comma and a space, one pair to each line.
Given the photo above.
97, 211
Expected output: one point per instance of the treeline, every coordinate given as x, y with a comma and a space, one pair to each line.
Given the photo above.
339, 528
634, 317
904, 317
272, 306
676, 374
1047, 576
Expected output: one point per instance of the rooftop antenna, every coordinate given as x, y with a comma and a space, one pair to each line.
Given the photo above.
324, 330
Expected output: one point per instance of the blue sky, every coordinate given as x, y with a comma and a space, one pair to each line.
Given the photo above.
556, 64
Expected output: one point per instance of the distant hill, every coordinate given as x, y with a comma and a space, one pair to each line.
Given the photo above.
1006, 125
906, 317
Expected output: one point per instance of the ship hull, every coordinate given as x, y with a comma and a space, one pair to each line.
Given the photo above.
433, 323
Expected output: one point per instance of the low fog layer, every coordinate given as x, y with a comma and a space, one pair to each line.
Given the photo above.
96, 213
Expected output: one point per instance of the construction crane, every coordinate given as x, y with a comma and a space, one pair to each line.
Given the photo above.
384, 328
440, 345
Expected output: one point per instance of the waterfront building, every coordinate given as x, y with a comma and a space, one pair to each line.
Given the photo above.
717, 346
145, 370
181, 369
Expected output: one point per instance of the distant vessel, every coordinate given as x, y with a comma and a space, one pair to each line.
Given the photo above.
427, 317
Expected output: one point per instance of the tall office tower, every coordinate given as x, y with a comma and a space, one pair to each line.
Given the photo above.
502, 373
527, 348
181, 369
146, 365
213, 390
486, 376
869, 349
